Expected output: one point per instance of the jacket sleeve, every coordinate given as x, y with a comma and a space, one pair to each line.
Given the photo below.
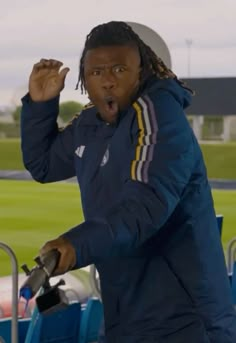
47, 151
160, 169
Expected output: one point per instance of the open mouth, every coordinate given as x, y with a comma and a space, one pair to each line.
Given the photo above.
111, 106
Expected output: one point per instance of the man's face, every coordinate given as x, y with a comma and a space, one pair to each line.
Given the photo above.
111, 78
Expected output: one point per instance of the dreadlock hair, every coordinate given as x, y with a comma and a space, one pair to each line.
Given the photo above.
120, 33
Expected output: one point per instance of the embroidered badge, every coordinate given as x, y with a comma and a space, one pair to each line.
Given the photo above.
105, 158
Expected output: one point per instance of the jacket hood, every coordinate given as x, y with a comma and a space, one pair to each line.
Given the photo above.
181, 94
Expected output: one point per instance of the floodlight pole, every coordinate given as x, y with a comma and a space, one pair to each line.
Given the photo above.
14, 323
189, 43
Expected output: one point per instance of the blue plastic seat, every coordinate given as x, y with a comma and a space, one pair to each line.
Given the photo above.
5, 329
62, 326
91, 320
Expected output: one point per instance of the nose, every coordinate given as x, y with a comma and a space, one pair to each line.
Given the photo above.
108, 80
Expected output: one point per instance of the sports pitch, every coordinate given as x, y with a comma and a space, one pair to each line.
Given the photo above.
31, 213
219, 157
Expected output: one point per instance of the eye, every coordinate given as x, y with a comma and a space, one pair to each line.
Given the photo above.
118, 69
96, 72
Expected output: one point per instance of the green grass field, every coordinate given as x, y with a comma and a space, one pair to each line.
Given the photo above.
220, 158
31, 213
10, 153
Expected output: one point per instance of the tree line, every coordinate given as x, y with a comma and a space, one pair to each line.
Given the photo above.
67, 110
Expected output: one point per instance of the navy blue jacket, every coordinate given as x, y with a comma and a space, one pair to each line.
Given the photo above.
150, 226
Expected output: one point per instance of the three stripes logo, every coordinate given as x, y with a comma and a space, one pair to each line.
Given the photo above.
80, 150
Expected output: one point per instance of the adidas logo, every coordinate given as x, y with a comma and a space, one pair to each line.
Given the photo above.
80, 150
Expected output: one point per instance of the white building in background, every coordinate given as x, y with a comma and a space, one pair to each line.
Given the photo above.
214, 101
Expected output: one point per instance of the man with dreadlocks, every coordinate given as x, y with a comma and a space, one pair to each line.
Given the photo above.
150, 226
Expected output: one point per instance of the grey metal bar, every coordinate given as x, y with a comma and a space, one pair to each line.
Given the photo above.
14, 323
234, 258
230, 255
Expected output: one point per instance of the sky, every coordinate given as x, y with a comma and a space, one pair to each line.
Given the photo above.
32, 29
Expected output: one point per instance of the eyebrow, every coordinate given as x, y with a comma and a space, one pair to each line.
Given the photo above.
102, 67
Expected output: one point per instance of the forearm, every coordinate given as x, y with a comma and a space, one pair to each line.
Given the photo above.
128, 226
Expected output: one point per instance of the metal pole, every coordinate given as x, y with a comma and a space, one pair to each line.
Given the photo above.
189, 43
14, 323
230, 255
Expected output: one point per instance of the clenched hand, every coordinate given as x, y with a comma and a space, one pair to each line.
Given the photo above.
47, 80
67, 254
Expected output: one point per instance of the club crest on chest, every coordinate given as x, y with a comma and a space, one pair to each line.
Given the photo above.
105, 158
